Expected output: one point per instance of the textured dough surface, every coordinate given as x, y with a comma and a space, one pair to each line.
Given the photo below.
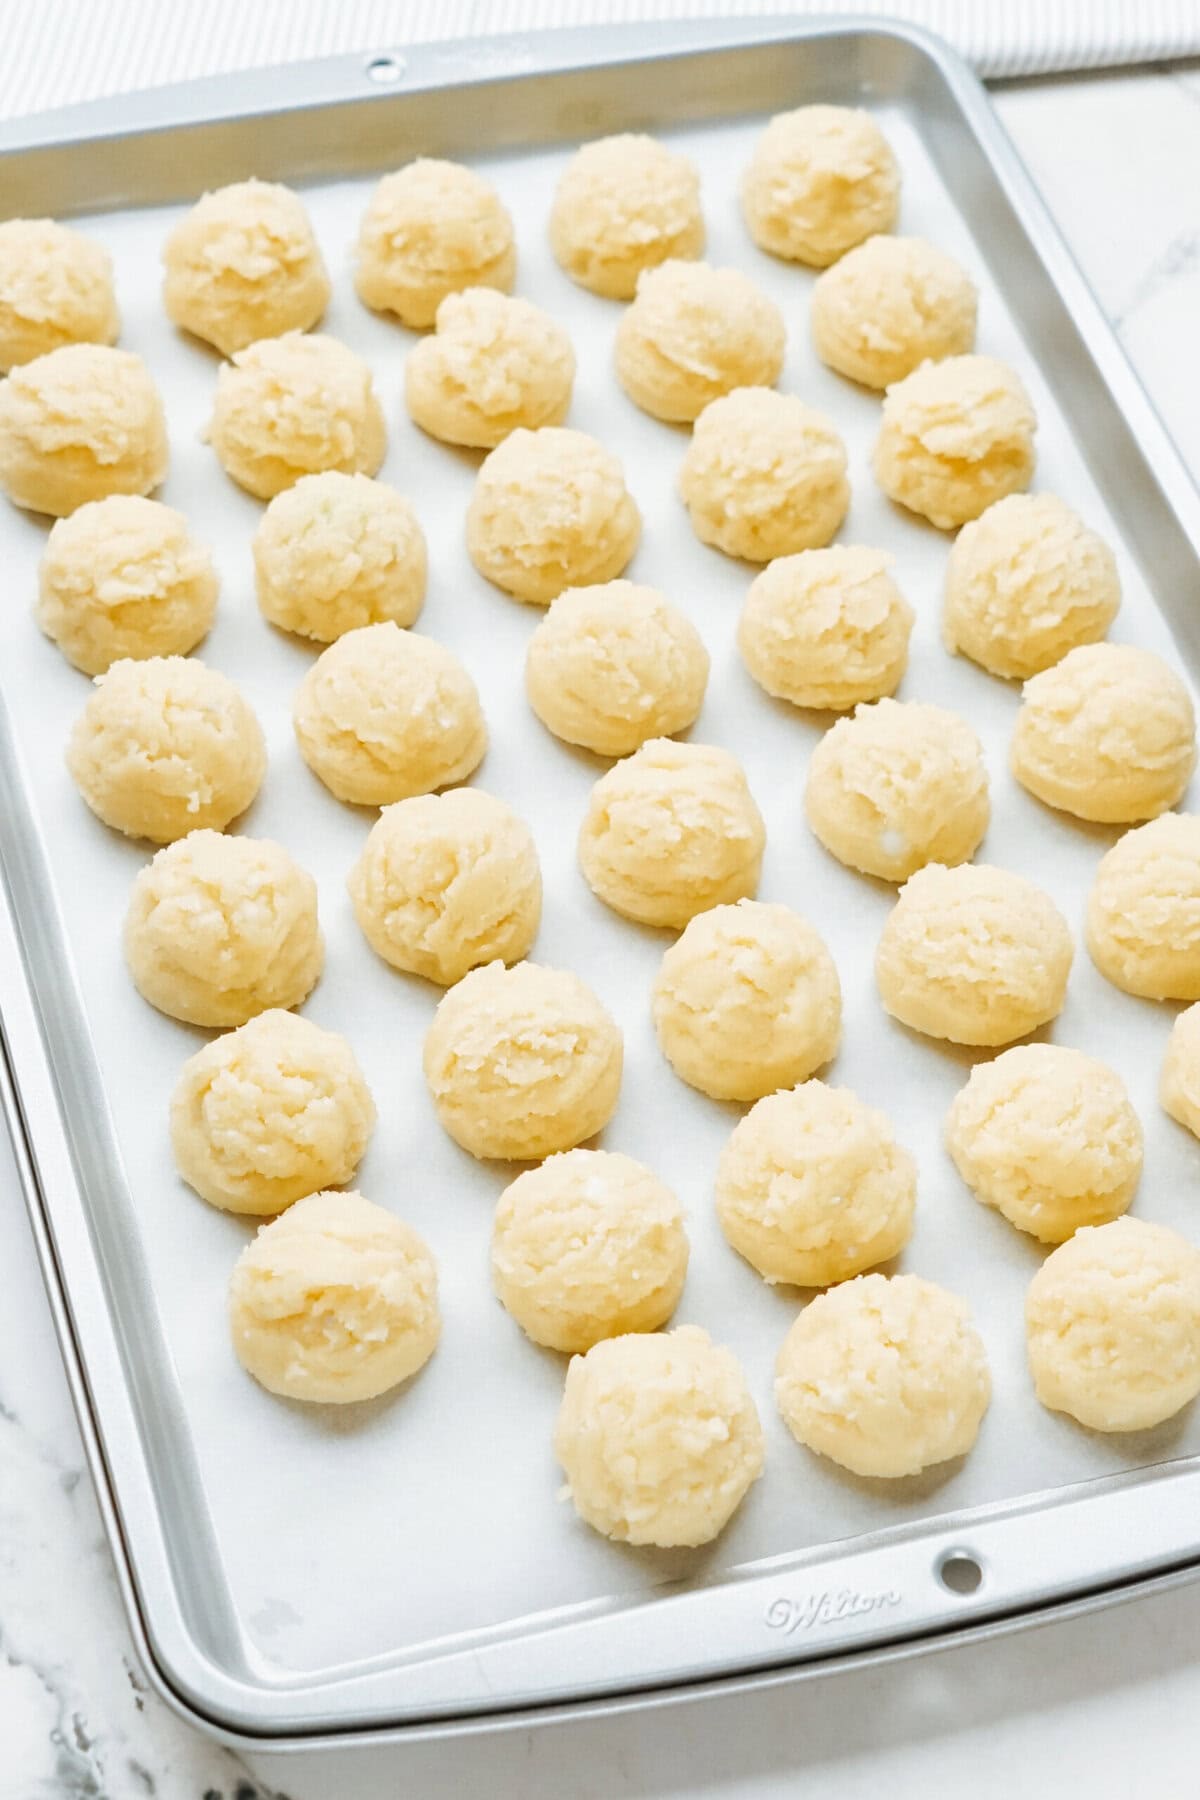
747, 1000
957, 436
269, 1113
431, 229
670, 831
166, 746
384, 714
1143, 916
124, 577
243, 264
56, 288
446, 882
1179, 1089
884, 1376
78, 424
890, 305
624, 204
1112, 1322
813, 1188
658, 1438
221, 928
589, 1245
826, 628
694, 333
613, 665
822, 178
339, 551
295, 405
1048, 1137
764, 475
493, 364
974, 954
522, 1062
550, 511
334, 1301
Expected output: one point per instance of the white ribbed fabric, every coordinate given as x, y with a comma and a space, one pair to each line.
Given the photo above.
56, 51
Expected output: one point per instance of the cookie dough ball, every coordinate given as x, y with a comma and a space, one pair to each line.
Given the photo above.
336, 552
884, 1376
493, 364
957, 436
671, 831
1180, 1087
432, 228
973, 954
764, 475
587, 1246
822, 179
658, 1438
384, 714
1112, 1326
295, 405
56, 288
624, 204
897, 786
522, 1062
1047, 1136
826, 628
334, 1301
221, 928
1108, 734
166, 746
124, 577
446, 882
269, 1113
890, 305
613, 665
813, 1188
694, 333
77, 424
1143, 917
747, 1001
243, 264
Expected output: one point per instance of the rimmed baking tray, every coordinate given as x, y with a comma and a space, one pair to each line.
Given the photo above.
407, 1567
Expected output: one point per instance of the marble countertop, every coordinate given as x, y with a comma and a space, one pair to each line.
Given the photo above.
1109, 1700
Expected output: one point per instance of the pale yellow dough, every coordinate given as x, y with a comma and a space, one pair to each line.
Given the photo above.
589, 1245
613, 665
432, 228
269, 1113
826, 628
813, 1188
56, 288
1143, 916
1026, 582
384, 714
124, 577
957, 436
551, 511
1179, 1090
672, 830
884, 1376
335, 1301
624, 204
1048, 1137
658, 1438
221, 928
243, 264
77, 424
747, 1000
522, 1062
166, 746
897, 786
974, 954
822, 179
295, 405
1108, 733
338, 551
764, 475
1112, 1322
492, 365
694, 333
446, 882
890, 305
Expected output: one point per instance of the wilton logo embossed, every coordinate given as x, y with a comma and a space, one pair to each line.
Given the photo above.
788, 1616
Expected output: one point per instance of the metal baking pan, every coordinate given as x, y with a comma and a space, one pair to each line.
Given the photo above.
407, 1566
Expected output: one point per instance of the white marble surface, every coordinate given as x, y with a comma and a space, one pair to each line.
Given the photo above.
1105, 1705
